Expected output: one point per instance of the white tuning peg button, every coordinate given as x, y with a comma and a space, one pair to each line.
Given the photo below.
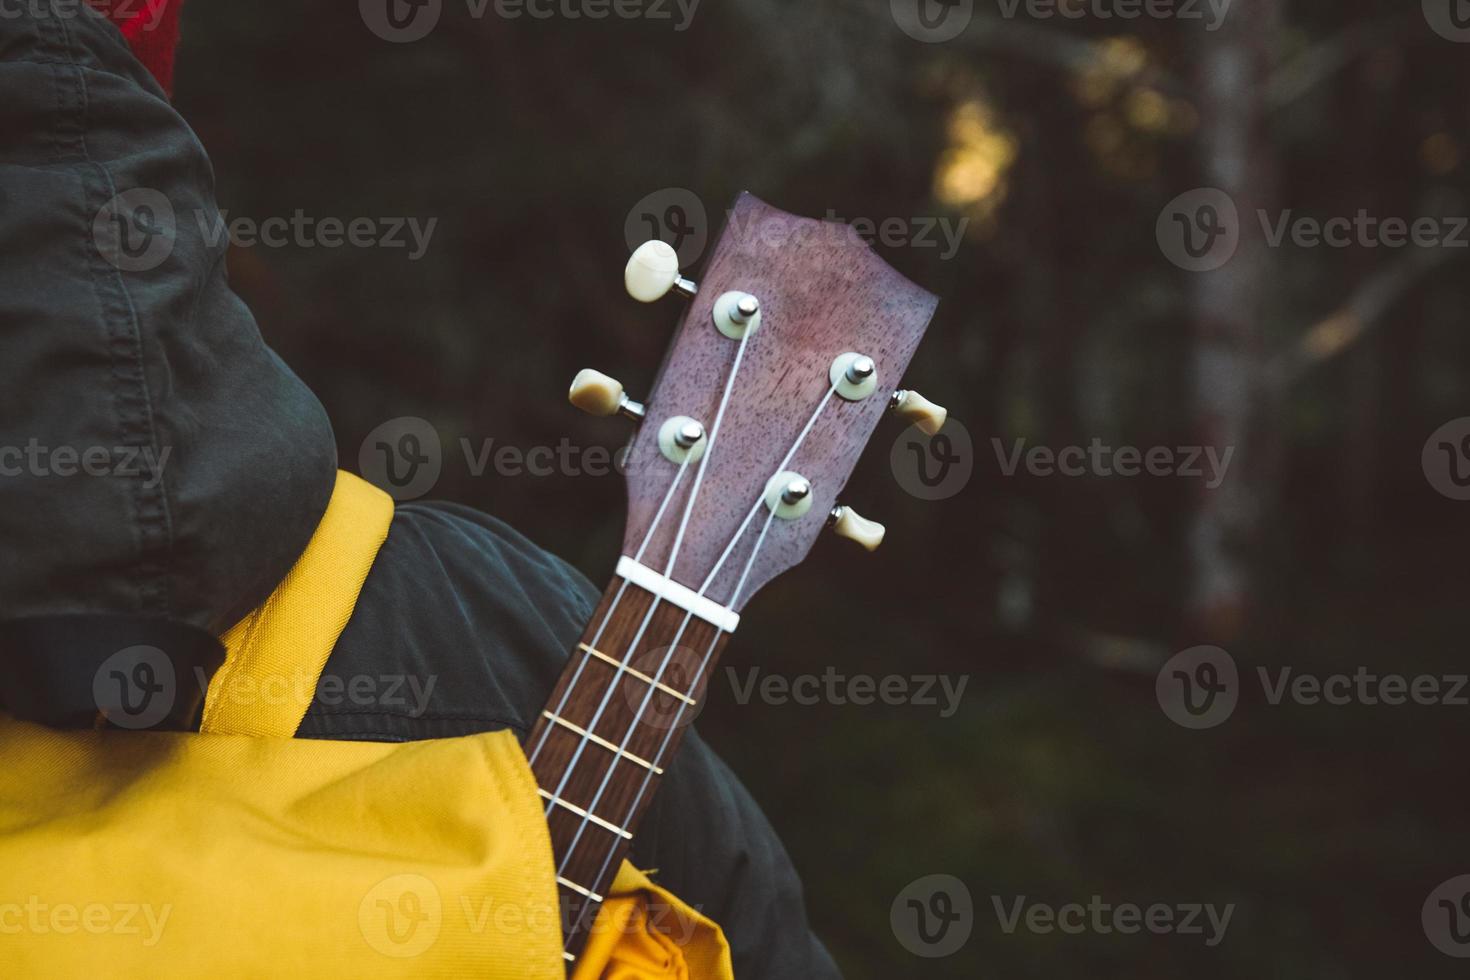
848, 523
915, 409
653, 270
597, 394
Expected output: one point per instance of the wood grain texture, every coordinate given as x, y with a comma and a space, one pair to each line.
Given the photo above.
823, 292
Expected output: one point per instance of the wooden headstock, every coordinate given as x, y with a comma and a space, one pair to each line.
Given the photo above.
822, 293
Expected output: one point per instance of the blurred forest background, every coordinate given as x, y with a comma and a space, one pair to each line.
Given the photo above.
1063, 318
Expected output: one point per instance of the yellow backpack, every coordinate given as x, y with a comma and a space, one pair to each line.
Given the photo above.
241, 851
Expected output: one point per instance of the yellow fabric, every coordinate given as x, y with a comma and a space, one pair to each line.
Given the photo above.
151, 855
643, 932
275, 655
243, 852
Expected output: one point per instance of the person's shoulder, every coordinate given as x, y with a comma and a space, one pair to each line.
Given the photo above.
466, 617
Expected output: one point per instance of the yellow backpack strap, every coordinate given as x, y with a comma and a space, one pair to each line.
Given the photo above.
275, 656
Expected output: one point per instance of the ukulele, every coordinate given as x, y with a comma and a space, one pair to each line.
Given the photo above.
788, 354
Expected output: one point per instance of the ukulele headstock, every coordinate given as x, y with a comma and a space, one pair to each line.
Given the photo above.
789, 352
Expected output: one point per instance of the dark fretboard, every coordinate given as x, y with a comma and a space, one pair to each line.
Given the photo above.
609, 730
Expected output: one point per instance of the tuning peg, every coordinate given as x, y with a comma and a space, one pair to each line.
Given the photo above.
597, 394
653, 270
915, 409
848, 523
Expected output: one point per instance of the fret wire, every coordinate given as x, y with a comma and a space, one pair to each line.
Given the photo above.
579, 889
586, 815
608, 659
599, 740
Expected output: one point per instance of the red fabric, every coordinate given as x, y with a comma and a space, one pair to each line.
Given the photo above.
152, 30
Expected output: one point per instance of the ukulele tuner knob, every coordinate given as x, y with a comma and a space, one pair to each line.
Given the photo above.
653, 270
597, 394
848, 523
915, 409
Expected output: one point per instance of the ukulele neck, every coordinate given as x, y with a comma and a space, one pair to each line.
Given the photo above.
613, 722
